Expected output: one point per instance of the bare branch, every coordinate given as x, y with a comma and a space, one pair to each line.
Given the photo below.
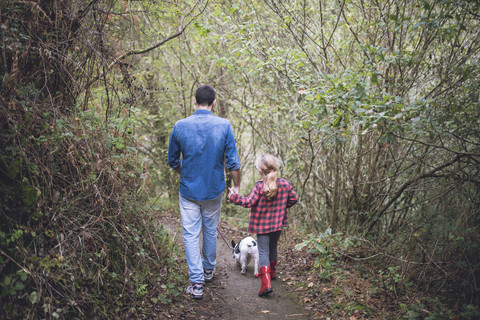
132, 52
181, 29
410, 182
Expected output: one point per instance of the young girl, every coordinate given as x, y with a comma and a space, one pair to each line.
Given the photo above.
269, 200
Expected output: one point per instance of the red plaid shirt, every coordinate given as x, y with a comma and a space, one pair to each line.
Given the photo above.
267, 215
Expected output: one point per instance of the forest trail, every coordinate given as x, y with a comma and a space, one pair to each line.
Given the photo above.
232, 295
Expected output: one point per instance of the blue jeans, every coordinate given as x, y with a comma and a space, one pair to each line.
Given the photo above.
200, 216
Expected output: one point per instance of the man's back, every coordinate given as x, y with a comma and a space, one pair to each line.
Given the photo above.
204, 141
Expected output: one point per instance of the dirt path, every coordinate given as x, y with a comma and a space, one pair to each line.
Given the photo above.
232, 295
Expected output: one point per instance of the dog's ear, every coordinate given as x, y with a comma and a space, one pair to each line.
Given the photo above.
254, 243
233, 244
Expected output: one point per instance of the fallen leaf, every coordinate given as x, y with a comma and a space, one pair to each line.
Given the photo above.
311, 284
306, 300
265, 311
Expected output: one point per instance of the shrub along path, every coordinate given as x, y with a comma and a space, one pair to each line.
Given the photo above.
232, 295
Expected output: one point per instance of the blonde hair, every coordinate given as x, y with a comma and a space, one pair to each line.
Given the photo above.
269, 165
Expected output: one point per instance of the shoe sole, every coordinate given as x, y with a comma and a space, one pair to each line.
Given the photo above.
265, 292
194, 296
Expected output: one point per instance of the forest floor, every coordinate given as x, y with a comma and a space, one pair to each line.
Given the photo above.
297, 294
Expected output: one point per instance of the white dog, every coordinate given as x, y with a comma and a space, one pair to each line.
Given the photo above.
244, 252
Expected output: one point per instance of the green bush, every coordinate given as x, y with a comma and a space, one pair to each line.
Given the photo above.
329, 248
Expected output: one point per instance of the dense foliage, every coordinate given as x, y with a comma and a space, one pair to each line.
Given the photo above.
373, 106
76, 238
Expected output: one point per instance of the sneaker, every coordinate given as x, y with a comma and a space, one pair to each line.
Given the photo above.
195, 290
208, 274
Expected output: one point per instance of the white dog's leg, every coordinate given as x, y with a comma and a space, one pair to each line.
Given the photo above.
244, 263
255, 268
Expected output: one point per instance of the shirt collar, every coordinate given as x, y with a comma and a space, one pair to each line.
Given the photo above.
202, 111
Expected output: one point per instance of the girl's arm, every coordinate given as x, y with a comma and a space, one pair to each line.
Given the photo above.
292, 197
246, 202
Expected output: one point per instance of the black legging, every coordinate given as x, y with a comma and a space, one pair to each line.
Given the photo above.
267, 247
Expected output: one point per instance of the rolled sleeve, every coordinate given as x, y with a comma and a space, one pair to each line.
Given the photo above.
231, 154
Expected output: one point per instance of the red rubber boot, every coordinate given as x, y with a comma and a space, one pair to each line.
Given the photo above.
266, 283
273, 264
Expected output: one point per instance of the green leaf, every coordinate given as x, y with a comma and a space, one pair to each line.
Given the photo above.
23, 275
337, 121
374, 78
302, 245
19, 286
34, 297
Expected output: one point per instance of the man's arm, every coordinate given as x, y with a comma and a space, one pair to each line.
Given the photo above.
232, 160
236, 180
174, 153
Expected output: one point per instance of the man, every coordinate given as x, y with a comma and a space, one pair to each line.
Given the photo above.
206, 144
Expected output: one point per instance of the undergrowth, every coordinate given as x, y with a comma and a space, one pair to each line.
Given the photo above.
344, 277
76, 239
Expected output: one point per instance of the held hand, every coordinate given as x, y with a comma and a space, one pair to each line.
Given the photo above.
231, 191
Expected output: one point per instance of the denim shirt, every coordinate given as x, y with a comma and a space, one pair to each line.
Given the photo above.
206, 144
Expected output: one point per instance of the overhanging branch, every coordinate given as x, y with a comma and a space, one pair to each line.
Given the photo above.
141, 51
180, 31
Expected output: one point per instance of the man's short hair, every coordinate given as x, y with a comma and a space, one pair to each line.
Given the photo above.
205, 95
